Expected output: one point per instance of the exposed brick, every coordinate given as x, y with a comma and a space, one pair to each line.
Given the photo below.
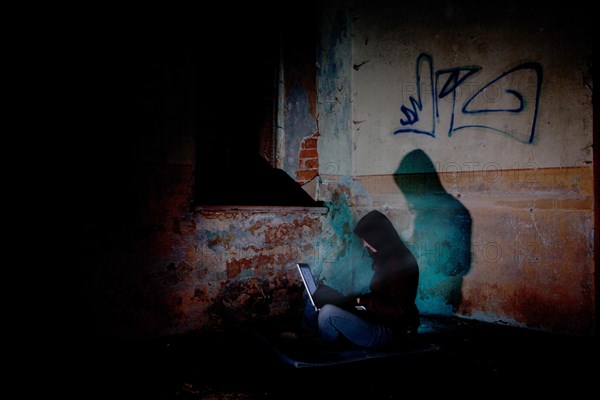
312, 153
305, 164
309, 143
311, 163
305, 176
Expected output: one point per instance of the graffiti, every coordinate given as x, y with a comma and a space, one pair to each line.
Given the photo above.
514, 94
416, 105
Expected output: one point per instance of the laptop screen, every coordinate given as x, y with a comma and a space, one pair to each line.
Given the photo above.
309, 281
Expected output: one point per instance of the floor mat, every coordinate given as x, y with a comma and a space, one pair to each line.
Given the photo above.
312, 353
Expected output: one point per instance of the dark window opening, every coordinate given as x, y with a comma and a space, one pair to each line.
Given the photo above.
235, 142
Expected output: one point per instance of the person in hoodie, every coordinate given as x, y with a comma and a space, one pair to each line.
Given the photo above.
390, 305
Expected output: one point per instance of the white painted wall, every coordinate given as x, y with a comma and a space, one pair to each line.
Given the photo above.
386, 41
540, 218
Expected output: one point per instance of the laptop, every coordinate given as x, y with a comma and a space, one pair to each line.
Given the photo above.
320, 295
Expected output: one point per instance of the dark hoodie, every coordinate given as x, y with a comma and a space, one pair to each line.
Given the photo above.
394, 283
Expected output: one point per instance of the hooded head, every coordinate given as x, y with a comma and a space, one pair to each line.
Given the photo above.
377, 230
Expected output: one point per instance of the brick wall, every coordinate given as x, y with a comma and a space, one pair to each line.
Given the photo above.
308, 159
172, 270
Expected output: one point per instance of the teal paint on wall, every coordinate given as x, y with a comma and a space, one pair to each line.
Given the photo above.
441, 239
343, 264
435, 225
332, 267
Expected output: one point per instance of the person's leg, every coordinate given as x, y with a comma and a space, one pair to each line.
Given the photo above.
334, 321
309, 324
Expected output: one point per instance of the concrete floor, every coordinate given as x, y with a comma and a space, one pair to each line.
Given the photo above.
475, 360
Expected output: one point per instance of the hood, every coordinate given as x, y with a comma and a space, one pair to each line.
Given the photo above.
378, 231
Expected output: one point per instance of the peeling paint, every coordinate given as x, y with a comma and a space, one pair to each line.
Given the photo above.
503, 231
343, 263
515, 276
299, 123
333, 88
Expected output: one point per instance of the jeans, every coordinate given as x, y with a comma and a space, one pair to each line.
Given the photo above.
334, 323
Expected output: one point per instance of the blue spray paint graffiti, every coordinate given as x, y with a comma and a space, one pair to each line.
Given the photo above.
520, 103
416, 105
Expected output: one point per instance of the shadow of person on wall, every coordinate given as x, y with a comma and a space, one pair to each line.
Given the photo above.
441, 238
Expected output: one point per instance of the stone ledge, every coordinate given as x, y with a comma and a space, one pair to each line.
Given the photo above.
261, 209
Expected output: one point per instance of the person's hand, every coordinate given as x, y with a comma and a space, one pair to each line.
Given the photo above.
358, 300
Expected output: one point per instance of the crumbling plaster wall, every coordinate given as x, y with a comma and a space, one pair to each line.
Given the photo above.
471, 127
